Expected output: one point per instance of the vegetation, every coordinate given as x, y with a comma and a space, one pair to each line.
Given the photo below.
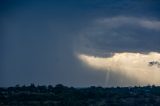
68, 96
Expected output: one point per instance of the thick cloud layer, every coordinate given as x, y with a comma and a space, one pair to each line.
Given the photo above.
121, 33
39, 38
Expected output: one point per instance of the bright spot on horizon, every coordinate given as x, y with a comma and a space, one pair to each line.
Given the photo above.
133, 65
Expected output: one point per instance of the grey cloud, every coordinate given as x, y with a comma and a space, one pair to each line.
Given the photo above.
120, 34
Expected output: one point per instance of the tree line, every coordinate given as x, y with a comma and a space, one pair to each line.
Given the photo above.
61, 95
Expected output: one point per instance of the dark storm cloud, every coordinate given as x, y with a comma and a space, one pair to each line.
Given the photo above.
122, 34
38, 38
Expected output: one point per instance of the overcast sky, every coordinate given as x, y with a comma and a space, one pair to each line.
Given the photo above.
39, 39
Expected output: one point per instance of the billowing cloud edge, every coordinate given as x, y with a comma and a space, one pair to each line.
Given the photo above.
133, 65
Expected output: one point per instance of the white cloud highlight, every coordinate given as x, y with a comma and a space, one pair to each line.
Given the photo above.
133, 65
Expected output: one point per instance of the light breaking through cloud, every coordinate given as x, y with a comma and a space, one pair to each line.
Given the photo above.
133, 65
125, 45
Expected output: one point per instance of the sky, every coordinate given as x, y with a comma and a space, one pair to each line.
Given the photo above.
79, 43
